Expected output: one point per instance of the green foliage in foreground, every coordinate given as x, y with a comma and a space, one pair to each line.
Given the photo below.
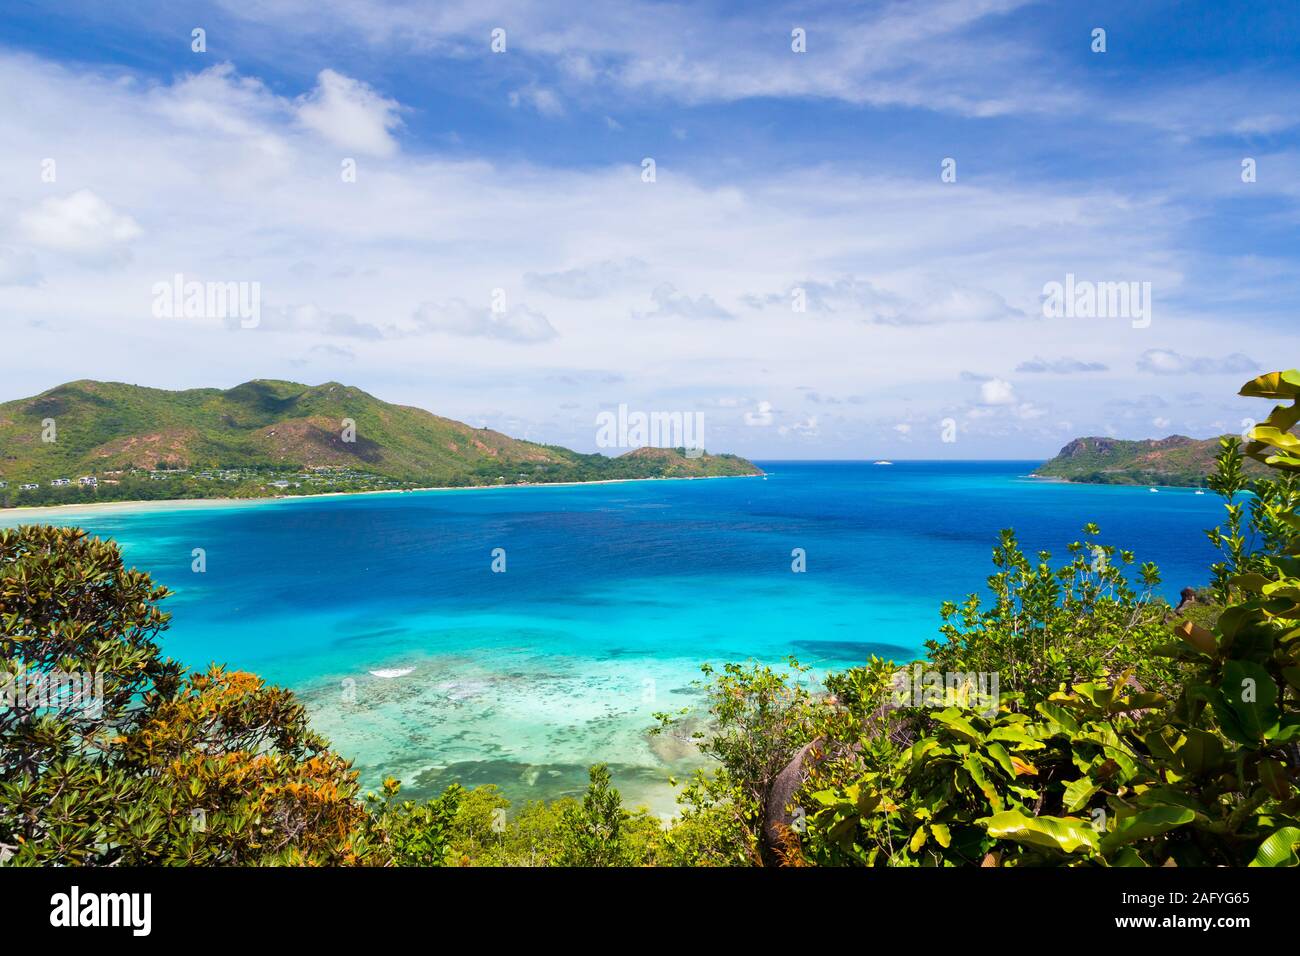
1108, 749
149, 766
1122, 733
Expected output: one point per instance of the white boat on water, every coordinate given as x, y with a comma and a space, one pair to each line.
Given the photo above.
1199, 491
882, 462
1154, 491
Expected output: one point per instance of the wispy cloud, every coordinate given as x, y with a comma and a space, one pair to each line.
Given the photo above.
1060, 366
1169, 362
458, 317
815, 172
588, 282
669, 303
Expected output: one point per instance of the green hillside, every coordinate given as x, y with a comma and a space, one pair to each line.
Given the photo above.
150, 443
1176, 460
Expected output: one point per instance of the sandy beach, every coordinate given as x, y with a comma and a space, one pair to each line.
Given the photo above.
22, 514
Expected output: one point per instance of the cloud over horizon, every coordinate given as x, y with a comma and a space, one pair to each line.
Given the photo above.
797, 260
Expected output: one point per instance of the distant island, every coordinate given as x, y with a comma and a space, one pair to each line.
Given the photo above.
1174, 461
92, 441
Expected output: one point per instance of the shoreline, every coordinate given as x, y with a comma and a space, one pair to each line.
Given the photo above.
182, 504
1115, 484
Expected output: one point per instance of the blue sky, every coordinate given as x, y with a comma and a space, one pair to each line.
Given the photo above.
500, 258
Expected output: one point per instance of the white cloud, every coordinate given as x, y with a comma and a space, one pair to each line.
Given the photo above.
1061, 366
350, 115
761, 416
978, 58
311, 318
1169, 362
997, 391
458, 317
539, 98
915, 299
671, 303
808, 428
219, 102
214, 176
945, 300
81, 223
851, 296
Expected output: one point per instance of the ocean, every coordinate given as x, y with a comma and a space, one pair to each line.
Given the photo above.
420, 661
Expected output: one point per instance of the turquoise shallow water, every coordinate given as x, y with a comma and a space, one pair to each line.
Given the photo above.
612, 598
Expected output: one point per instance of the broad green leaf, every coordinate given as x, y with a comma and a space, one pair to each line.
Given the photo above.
1142, 701
1197, 636
1128, 857
976, 771
942, 836
1279, 849
1128, 767
1013, 735
1058, 716
1100, 695
842, 828
1257, 715
1169, 796
1289, 462
952, 719
1201, 752
1273, 385
1067, 834
1253, 582
1159, 746
1282, 417
1001, 758
1143, 824
1284, 732
1079, 792
1023, 767
1275, 437
922, 747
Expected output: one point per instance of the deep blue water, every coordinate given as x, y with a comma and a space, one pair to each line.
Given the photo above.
612, 598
